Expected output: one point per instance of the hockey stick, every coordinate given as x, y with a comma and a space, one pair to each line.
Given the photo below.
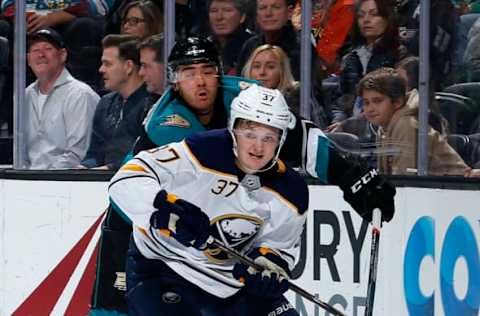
246, 260
372, 275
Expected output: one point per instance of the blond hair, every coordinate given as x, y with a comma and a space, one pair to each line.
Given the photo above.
286, 78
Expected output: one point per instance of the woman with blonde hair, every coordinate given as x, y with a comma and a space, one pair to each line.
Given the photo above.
270, 65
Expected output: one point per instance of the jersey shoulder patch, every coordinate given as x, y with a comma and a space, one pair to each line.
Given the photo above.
213, 149
292, 187
171, 122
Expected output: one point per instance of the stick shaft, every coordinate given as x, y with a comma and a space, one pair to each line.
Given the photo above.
372, 275
246, 260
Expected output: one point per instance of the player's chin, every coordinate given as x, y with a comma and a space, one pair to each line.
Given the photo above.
255, 164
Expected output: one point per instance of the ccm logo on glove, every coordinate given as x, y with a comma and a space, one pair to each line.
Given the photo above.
366, 178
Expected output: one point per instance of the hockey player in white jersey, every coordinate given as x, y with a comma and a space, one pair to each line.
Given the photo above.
229, 184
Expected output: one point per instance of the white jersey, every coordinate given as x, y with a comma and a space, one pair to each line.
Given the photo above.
202, 171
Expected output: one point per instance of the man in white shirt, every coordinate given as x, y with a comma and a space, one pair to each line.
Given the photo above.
60, 108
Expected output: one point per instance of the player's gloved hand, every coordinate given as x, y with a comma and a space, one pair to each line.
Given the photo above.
365, 189
182, 220
271, 282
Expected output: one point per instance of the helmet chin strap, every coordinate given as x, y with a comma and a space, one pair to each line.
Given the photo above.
253, 171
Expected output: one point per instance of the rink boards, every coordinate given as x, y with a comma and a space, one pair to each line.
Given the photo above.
429, 254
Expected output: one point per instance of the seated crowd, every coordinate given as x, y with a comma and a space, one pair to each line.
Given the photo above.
95, 73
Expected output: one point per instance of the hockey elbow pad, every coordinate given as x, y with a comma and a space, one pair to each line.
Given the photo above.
365, 189
272, 281
182, 220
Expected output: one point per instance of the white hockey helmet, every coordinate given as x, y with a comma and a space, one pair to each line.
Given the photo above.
265, 106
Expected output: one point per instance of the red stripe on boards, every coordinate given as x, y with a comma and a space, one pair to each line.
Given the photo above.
43, 299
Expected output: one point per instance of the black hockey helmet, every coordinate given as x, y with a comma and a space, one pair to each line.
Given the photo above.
192, 50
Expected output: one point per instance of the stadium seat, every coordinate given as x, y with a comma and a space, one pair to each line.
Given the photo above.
6, 150
474, 155
468, 147
467, 89
472, 91
460, 111
461, 144
4, 52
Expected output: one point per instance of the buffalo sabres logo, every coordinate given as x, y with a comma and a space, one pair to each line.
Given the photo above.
234, 230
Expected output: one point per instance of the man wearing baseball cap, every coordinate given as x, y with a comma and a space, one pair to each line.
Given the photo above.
60, 108
47, 35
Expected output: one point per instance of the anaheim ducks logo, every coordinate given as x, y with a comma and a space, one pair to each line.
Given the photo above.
175, 120
234, 230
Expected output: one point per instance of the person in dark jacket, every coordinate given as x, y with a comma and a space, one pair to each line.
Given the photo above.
273, 20
118, 117
376, 44
228, 32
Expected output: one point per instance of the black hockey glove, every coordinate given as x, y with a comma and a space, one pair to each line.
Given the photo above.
365, 189
271, 282
182, 220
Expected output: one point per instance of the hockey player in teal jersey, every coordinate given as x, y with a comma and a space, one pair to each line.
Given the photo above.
230, 184
199, 97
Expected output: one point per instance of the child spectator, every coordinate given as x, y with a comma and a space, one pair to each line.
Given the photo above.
384, 102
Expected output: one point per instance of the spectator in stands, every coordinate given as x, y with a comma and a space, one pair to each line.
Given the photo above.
60, 108
226, 19
408, 69
119, 114
375, 40
152, 68
271, 67
332, 21
56, 14
384, 96
142, 19
444, 25
79, 22
275, 26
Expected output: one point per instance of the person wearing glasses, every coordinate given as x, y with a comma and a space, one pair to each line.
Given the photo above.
142, 19
178, 195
